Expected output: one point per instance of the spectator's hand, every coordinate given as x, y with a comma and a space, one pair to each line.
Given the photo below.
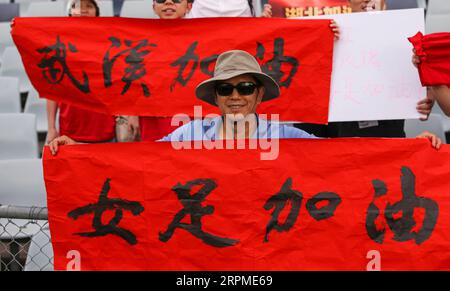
62, 140
267, 12
52, 134
335, 29
133, 126
415, 59
424, 107
434, 139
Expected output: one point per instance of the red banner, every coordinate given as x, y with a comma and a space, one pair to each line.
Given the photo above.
151, 67
302, 8
434, 53
322, 205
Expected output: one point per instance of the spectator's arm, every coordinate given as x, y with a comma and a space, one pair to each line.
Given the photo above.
442, 95
425, 105
52, 108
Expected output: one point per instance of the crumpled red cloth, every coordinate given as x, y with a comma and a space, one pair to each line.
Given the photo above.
434, 53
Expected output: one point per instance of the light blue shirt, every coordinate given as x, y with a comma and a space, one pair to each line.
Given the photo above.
208, 129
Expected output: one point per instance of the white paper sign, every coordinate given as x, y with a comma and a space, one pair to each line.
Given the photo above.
373, 77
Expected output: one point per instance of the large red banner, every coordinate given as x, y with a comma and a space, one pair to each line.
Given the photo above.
302, 8
321, 205
151, 67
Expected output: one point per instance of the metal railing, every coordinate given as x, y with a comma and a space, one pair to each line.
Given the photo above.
25, 243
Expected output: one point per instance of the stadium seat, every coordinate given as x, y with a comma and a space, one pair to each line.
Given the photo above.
5, 36
38, 107
438, 16
106, 7
25, 4
8, 11
414, 127
138, 9
12, 67
437, 23
402, 4
22, 185
18, 136
46, 9
9, 95
438, 7
421, 3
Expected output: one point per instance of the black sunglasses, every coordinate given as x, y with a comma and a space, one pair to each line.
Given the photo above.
164, 1
243, 88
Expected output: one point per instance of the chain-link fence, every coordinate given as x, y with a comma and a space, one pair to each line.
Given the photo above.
25, 243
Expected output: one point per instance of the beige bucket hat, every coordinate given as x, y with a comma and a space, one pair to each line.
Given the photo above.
231, 64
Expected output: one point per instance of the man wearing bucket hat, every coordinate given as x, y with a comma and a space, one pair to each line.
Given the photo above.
237, 88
